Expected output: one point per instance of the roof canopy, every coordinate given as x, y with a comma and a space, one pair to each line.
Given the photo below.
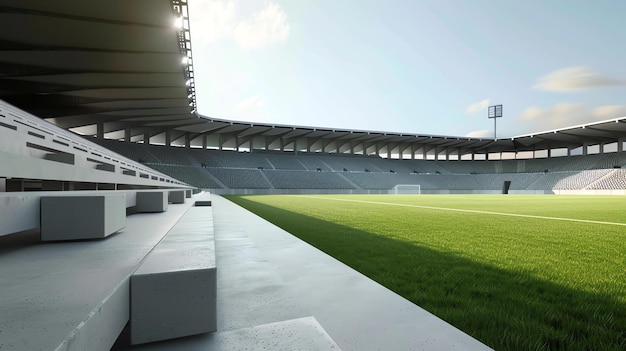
122, 69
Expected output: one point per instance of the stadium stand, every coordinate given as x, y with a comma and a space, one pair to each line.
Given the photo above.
73, 292
223, 171
306, 180
615, 179
199, 177
240, 178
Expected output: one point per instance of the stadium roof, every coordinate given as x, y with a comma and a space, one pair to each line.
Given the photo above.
122, 70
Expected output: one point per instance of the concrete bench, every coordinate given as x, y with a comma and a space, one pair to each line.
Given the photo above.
152, 201
173, 292
81, 217
177, 196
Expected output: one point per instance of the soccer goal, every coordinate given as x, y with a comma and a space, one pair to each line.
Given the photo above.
407, 189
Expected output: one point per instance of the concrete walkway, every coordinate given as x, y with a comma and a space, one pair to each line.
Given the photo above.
276, 292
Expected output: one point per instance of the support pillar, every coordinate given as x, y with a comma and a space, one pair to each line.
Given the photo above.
100, 130
168, 138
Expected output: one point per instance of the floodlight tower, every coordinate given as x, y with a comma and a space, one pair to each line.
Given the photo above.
495, 112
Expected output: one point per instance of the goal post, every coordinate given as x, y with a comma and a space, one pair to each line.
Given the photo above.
414, 189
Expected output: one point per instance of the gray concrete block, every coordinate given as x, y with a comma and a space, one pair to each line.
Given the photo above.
81, 217
174, 291
177, 196
202, 203
152, 201
188, 193
172, 304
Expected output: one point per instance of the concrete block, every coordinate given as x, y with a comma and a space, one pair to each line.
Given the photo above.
172, 305
81, 217
188, 193
173, 292
177, 196
152, 201
202, 203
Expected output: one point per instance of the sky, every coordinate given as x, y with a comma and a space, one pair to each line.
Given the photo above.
416, 66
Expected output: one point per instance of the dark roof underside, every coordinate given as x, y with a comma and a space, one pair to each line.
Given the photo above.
114, 68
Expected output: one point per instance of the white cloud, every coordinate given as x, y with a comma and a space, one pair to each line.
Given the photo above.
215, 20
269, 26
575, 78
567, 114
610, 111
485, 133
477, 107
212, 20
250, 107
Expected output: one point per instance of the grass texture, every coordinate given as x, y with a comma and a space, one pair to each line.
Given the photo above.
516, 272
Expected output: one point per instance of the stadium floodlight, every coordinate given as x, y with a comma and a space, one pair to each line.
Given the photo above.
178, 22
494, 112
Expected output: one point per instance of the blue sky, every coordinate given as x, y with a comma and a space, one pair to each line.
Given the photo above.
416, 66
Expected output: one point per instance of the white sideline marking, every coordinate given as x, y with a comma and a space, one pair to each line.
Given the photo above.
470, 211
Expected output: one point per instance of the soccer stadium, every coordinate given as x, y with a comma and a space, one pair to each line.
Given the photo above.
130, 221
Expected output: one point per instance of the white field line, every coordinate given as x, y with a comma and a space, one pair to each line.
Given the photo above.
469, 211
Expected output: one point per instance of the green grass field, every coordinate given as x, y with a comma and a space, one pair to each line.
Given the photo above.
516, 272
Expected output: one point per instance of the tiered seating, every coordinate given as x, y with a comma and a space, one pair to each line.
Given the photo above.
134, 151
580, 180
171, 155
548, 181
234, 159
254, 170
285, 161
380, 180
306, 180
452, 181
312, 162
466, 167
616, 179
191, 175
403, 166
540, 164
205, 157
338, 163
239, 178
610, 160
494, 181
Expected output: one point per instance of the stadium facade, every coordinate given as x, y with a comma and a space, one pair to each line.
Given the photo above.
98, 99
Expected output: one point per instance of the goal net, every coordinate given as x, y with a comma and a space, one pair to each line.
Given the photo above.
407, 189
